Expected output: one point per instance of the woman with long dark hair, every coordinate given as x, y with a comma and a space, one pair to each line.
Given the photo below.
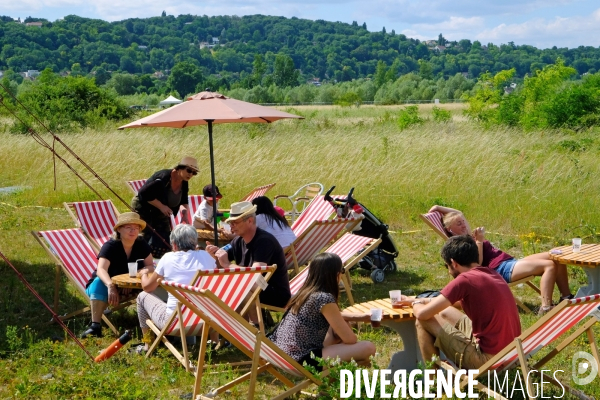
268, 219
313, 323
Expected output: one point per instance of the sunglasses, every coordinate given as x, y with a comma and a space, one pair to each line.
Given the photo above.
191, 171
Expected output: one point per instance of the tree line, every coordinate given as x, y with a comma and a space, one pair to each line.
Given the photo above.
223, 51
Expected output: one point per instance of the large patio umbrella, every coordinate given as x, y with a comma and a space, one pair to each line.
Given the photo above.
208, 108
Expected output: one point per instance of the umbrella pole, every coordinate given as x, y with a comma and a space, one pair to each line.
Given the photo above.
212, 177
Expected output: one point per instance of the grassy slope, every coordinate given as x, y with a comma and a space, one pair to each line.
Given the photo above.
528, 191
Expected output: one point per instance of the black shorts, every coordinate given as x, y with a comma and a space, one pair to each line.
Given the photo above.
311, 361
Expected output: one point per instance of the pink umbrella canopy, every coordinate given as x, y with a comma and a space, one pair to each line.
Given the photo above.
208, 108
205, 106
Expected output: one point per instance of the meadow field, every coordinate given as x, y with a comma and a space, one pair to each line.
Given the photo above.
531, 190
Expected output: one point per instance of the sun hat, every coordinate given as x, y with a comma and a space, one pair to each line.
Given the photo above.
129, 218
189, 162
209, 193
240, 210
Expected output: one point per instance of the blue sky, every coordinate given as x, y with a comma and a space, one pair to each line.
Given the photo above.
541, 23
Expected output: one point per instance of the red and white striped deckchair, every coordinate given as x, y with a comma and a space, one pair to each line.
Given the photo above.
231, 285
313, 239
71, 252
194, 201
265, 355
96, 218
317, 210
256, 192
548, 330
351, 249
135, 186
435, 221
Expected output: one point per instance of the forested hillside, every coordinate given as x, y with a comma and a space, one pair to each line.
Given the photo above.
318, 49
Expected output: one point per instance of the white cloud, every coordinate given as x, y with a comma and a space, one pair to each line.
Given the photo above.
540, 32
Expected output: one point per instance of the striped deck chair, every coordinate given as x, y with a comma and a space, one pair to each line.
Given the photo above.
71, 252
549, 329
194, 201
135, 186
231, 285
96, 218
317, 210
313, 239
265, 355
351, 249
256, 192
434, 221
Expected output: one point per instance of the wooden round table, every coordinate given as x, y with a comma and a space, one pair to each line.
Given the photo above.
124, 281
588, 258
207, 234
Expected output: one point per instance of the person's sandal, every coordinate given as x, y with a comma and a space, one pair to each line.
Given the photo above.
544, 310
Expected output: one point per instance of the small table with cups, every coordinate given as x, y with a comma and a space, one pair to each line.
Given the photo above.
587, 258
402, 321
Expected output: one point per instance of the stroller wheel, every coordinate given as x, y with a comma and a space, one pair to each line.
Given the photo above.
377, 276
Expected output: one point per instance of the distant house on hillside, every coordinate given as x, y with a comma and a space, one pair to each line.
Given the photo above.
430, 42
439, 49
206, 45
215, 40
32, 73
38, 24
314, 81
510, 89
142, 47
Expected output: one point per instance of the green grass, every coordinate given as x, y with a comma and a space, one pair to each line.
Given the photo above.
530, 190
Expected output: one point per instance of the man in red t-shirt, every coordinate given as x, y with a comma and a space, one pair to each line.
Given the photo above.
491, 321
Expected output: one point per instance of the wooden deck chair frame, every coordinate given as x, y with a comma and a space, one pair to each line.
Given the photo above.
258, 191
96, 242
431, 219
136, 185
198, 282
333, 229
59, 265
265, 355
349, 260
520, 350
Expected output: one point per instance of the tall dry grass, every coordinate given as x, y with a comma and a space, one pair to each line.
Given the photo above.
510, 181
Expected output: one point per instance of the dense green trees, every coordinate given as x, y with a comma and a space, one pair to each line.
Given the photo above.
67, 103
321, 49
546, 99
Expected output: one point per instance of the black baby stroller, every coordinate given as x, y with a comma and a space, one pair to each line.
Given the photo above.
382, 258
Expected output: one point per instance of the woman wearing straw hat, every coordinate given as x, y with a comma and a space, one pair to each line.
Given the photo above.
163, 195
125, 246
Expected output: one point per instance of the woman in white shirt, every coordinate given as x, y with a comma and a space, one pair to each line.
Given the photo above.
268, 219
179, 266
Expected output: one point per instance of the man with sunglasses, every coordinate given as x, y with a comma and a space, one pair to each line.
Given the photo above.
164, 194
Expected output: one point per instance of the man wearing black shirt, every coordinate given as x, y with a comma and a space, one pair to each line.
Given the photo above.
255, 247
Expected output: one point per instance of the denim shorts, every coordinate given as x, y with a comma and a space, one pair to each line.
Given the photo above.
97, 290
505, 269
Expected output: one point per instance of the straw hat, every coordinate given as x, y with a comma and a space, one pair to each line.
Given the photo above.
240, 210
189, 162
129, 218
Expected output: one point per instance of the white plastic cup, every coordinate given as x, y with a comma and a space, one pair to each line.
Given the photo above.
226, 227
395, 296
576, 245
376, 315
132, 269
